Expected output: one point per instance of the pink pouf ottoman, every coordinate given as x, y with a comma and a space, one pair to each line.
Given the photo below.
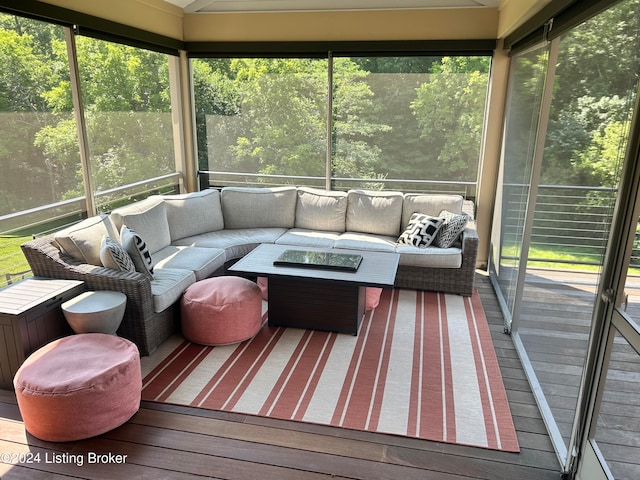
372, 298
79, 387
221, 311
263, 284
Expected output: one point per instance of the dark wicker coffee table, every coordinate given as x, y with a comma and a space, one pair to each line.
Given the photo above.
318, 298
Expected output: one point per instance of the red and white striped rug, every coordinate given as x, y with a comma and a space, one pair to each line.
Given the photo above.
423, 365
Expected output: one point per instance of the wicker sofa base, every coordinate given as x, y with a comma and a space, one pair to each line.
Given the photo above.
141, 324
148, 328
445, 280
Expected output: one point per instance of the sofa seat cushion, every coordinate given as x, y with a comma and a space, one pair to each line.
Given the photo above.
167, 286
321, 210
244, 207
82, 240
429, 204
148, 218
374, 212
193, 213
202, 261
308, 238
366, 241
433, 257
235, 242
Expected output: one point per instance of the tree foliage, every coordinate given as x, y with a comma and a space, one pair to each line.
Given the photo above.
594, 92
126, 103
275, 123
407, 117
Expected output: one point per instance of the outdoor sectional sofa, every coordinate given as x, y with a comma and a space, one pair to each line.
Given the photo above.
193, 236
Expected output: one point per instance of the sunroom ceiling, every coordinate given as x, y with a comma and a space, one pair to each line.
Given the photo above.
204, 6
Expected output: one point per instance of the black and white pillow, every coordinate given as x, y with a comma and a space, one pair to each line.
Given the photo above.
137, 250
113, 255
452, 227
421, 230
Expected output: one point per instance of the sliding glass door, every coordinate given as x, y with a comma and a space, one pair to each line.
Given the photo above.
552, 233
609, 446
526, 85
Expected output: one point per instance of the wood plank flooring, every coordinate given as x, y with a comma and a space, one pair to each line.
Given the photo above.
163, 441
554, 327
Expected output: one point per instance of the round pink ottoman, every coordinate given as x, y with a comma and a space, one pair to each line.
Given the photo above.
263, 285
221, 311
372, 298
79, 387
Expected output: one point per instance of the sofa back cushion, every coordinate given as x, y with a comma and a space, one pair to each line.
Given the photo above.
193, 213
321, 210
244, 207
82, 240
374, 212
429, 204
148, 218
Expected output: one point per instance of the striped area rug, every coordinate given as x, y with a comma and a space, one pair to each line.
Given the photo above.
423, 365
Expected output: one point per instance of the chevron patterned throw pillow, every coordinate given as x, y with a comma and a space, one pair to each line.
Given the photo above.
113, 255
451, 228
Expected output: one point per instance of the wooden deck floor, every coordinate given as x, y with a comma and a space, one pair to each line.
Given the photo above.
161, 441
554, 327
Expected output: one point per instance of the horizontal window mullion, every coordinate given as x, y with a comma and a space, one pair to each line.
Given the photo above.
482, 47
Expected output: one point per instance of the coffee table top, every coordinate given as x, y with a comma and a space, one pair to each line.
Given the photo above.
377, 269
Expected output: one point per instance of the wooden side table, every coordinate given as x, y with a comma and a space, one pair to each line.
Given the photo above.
30, 317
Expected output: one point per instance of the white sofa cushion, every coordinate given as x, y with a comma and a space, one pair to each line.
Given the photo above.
366, 241
321, 210
429, 204
82, 241
168, 285
308, 238
373, 212
193, 213
202, 261
236, 243
258, 207
148, 218
432, 256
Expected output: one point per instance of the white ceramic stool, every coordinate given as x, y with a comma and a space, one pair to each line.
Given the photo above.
95, 312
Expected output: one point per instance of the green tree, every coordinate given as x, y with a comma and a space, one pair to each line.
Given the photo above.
596, 81
450, 110
126, 100
217, 97
357, 129
282, 118
269, 116
27, 71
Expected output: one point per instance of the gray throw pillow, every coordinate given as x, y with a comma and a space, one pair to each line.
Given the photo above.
114, 256
451, 228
